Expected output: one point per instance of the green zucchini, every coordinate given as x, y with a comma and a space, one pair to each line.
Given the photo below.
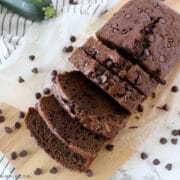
36, 10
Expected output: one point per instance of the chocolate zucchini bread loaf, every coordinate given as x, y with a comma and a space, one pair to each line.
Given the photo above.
52, 145
120, 66
69, 131
147, 30
128, 97
89, 105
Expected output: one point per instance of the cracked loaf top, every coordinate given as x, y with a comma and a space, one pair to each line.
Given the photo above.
148, 31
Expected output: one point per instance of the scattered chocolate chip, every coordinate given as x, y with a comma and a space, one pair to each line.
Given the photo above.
72, 2
156, 162
53, 170
144, 156
38, 95
153, 95
13, 155
35, 70
109, 147
89, 173
140, 108
174, 89
37, 171
17, 125
2, 119
165, 107
23, 153
174, 132
163, 140
68, 49
46, 91
73, 38
174, 141
32, 57
20, 79
7, 129
168, 166
21, 114
54, 73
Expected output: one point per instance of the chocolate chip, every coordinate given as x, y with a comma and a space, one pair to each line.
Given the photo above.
72, 2
54, 72
165, 107
23, 153
32, 57
46, 91
109, 147
73, 38
2, 119
168, 166
163, 140
140, 108
17, 125
174, 141
174, 132
20, 79
146, 52
13, 155
37, 171
7, 129
21, 114
35, 70
53, 170
68, 49
89, 173
156, 162
174, 89
144, 156
38, 95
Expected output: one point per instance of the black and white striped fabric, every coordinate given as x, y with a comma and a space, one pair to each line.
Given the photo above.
13, 29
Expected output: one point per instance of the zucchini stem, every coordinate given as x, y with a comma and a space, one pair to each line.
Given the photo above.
49, 11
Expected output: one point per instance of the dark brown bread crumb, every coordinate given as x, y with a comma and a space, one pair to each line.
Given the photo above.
21, 114
174, 89
163, 140
23, 153
37, 171
13, 155
73, 38
17, 125
2, 119
31, 57
35, 70
89, 173
20, 79
156, 162
140, 108
174, 132
68, 49
7, 129
168, 166
38, 95
53, 170
46, 91
174, 141
144, 156
109, 147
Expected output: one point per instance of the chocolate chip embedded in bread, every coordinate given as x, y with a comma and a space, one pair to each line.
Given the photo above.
37, 171
174, 141
163, 140
109, 147
46, 91
174, 89
21, 114
89, 173
169, 166
7, 129
140, 108
53, 170
144, 156
35, 70
73, 38
2, 119
68, 49
156, 161
17, 125
23, 153
14, 155
31, 57
38, 95
20, 79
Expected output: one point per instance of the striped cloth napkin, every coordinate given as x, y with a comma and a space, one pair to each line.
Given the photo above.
13, 30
